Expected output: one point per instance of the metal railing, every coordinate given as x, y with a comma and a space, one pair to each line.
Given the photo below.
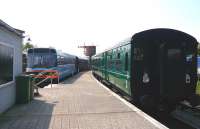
45, 78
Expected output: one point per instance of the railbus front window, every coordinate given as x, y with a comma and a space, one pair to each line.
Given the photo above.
41, 60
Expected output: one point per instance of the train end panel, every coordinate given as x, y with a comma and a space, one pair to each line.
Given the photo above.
164, 65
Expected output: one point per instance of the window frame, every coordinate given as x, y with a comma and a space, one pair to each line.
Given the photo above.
13, 75
126, 61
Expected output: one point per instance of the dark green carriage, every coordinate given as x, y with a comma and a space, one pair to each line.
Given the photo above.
154, 66
114, 66
118, 66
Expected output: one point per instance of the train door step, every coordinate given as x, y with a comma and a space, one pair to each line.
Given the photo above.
127, 98
188, 115
114, 90
105, 82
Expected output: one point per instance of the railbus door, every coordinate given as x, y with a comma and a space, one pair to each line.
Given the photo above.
172, 75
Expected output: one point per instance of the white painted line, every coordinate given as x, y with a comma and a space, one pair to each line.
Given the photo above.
135, 109
53, 86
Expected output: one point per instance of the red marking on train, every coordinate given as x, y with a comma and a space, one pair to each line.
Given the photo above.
55, 74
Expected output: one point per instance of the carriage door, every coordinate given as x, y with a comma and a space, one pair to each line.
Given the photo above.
172, 76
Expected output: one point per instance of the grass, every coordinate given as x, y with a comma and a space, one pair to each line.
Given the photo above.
198, 88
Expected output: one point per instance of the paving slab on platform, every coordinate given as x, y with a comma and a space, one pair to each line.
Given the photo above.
77, 103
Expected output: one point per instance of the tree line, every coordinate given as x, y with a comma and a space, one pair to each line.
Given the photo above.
26, 46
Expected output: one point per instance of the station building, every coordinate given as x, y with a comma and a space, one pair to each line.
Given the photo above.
10, 63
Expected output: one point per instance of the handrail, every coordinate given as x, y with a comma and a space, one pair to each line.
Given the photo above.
41, 81
46, 78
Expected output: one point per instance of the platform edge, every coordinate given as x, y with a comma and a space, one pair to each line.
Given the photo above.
132, 107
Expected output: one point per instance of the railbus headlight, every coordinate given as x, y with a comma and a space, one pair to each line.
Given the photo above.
28, 69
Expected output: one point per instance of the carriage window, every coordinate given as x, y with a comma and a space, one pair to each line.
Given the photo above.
118, 55
189, 58
118, 65
138, 54
126, 61
174, 54
110, 62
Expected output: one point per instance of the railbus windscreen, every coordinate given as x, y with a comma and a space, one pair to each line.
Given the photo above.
41, 58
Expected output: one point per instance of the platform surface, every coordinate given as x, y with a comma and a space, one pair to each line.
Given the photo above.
77, 103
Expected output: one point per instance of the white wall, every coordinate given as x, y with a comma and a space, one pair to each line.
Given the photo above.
7, 92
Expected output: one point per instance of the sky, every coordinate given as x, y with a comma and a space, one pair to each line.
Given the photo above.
67, 24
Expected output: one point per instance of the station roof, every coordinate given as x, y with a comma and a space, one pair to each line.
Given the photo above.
11, 29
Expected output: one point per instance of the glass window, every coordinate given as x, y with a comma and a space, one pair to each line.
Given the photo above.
110, 62
126, 61
6, 64
118, 65
41, 60
118, 55
198, 62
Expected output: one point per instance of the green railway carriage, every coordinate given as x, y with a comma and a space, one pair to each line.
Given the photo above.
153, 67
114, 66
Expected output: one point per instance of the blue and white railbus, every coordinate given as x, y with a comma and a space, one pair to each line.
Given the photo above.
49, 59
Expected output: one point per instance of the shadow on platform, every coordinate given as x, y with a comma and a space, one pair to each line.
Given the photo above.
36, 114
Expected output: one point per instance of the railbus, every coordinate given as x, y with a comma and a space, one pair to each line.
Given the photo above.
57, 65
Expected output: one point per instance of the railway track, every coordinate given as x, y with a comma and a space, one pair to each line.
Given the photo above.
170, 121
188, 115
183, 117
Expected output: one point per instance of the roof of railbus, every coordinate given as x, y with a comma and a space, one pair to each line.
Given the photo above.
60, 53
31, 50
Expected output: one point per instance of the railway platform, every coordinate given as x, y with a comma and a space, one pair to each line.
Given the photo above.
80, 102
